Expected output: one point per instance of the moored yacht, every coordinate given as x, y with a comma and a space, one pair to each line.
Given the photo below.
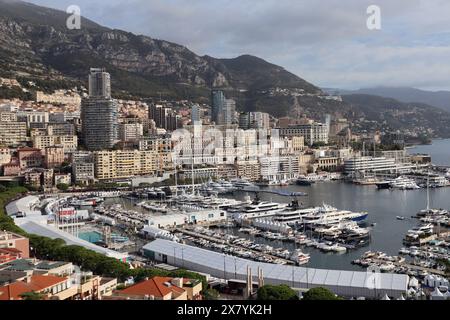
404, 183
327, 215
300, 257
257, 209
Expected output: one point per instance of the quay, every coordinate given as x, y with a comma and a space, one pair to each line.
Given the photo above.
411, 266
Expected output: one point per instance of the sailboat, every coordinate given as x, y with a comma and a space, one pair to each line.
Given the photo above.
428, 211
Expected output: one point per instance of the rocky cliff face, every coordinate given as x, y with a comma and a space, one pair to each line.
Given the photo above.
35, 42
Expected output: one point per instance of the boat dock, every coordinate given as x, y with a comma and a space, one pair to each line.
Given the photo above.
277, 192
411, 266
237, 246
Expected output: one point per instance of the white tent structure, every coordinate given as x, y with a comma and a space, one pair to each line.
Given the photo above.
437, 295
447, 295
343, 283
413, 283
385, 297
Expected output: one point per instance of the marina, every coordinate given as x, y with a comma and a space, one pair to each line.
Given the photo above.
389, 217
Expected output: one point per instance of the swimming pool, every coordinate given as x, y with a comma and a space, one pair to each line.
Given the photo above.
91, 236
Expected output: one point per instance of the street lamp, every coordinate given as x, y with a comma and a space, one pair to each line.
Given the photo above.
174, 255
182, 257
224, 268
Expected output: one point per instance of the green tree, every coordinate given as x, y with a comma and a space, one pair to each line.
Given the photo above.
33, 295
319, 293
280, 292
62, 186
211, 294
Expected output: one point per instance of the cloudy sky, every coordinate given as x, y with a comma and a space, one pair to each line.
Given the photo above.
326, 42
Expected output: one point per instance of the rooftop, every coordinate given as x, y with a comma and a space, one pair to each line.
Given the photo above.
157, 287
36, 283
29, 264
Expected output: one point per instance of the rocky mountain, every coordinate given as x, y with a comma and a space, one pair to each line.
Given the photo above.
388, 114
439, 99
35, 43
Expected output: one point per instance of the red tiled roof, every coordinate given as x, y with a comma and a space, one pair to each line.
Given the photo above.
37, 283
153, 287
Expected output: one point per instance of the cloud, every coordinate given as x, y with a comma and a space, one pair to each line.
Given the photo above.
325, 42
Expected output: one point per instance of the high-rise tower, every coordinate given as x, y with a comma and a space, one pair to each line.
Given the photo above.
99, 113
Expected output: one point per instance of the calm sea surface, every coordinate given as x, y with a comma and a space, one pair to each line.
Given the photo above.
439, 150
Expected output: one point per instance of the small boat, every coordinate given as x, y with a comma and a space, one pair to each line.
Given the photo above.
400, 218
383, 185
299, 257
304, 182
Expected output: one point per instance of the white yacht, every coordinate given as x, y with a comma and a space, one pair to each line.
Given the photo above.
404, 183
220, 186
257, 209
293, 213
242, 184
300, 257
328, 215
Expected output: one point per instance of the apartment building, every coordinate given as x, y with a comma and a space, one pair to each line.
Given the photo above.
38, 118
69, 143
5, 156
279, 168
130, 131
124, 163
83, 169
53, 156
162, 146
9, 240
29, 157
50, 287
12, 132
313, 132
61, 129
248, 169
328, 163
8, 116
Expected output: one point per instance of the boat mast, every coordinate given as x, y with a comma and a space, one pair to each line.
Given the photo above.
176, 180
192, 168
428, 190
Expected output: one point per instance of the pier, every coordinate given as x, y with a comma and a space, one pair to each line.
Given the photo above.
411, 266
277, 192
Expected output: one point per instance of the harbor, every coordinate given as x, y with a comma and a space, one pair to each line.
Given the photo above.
384, 207
318, 222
